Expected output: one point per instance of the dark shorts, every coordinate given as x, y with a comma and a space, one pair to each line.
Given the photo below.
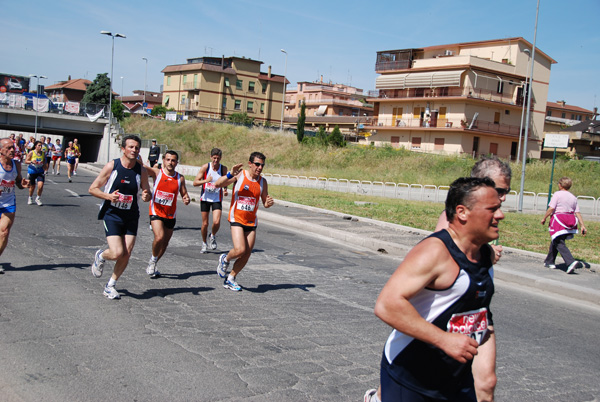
152, 162
71, 161
246, 228
48, 159
8, 210
36, 177
392, 390
115, 225
169, 223
205, 206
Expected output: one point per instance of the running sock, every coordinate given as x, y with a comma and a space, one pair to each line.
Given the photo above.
154, 259
231, 278
111, 283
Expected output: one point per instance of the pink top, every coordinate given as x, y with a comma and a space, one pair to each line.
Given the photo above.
563, 202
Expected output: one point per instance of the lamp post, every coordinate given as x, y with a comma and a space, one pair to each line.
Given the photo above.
145, 78
122, 89
527, 88
530, 90
37, 103
283, 100
112, 60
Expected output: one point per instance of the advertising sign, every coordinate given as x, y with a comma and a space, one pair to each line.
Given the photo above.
556, 141
14, 83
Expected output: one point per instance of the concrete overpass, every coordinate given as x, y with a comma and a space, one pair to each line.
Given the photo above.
91, 135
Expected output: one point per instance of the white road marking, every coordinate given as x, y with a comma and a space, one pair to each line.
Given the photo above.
73, 193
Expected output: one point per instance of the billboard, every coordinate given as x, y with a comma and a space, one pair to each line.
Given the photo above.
14, 83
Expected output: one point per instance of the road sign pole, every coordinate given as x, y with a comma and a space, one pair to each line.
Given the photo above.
551, 177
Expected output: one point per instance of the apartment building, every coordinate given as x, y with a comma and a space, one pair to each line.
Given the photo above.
217, 87
462, 98
578, 123
328, 105
71, 90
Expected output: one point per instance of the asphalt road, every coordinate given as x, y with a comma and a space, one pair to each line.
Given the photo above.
301, 329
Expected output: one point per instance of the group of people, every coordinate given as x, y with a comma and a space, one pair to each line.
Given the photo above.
122, 179
442, 346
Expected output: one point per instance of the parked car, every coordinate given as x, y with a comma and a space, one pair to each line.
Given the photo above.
592, 158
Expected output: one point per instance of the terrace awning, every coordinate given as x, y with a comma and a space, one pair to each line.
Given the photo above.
419, 80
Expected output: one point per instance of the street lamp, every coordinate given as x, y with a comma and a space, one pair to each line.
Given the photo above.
145, 79
530, 90
122, 89
37, 103
527, 88
112, 60
283, 101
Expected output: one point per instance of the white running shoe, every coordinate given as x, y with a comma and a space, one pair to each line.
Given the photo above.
98, 264
38, 201
151, 269
371, 396
203, 251
111, 292
233, 285
29, 201
222, 267
75, 173
212, 241
58, 173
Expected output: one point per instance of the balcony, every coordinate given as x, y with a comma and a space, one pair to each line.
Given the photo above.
466, 92
382, 66
445, 124
190, 86
332, 101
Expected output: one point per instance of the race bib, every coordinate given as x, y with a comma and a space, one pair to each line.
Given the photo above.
210, 188
246, 204
473, 323
125, 202
164, 198
7, 186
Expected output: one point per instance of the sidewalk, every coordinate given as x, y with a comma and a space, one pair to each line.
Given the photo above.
523, 268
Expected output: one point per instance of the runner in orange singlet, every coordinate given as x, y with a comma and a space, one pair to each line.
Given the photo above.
163, 206
249, 189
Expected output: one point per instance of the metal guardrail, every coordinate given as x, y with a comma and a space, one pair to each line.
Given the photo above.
531, 201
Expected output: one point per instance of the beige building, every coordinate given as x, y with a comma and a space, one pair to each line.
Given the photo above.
217, 87
562, 118
463, 98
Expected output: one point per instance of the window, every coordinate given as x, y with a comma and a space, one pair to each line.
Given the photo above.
507, 112
395, 141
493, 148
250, 106
226, 82
238, 104
497, 118
442, 112
572, 116
169, 81
549, 113
239, 84
184, 79
438, 144
416, 143
396, 116
183, 99
264, 87
195, 80
563, 115
167, 99
475, 145
417, 112
224, 106
262, 107
251, 86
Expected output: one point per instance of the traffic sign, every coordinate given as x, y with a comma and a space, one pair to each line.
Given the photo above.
556, 141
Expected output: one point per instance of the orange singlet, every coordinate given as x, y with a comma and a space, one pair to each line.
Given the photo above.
244, 203
164, 195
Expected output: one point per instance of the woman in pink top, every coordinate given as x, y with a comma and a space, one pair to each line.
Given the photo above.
564, 217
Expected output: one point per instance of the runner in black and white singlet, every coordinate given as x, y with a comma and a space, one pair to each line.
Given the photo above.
122, 179
438, 299
211, 198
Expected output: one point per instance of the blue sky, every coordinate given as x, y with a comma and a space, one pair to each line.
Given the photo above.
336, 39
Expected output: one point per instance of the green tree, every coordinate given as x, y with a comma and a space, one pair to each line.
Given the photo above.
98, 91
336, 138
300, 124
159, 110
118, 110
241, 118
322, 135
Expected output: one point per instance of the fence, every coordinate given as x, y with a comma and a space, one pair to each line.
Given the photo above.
416, 192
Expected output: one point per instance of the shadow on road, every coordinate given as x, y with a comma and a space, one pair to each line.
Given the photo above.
186, 275
41, 267
150, 293
266, 288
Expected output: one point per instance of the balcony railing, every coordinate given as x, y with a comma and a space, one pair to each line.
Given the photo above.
468, 92
190, 86
392, 65
479, 125
332, 101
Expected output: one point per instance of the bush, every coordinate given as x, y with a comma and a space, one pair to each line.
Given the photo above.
241, 118
336, 138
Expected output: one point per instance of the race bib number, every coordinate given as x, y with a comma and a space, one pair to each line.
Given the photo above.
125, 202
164, 198
7, 186
210, 188
473, 323
246, 204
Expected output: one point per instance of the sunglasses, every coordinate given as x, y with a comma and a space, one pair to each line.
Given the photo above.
502, 191
258, 164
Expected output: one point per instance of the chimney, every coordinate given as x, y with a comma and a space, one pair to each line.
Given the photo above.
563, 103
321, 79
269, 73
69, 79
595, 113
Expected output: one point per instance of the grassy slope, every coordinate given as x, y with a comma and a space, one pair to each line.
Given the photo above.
194, 140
